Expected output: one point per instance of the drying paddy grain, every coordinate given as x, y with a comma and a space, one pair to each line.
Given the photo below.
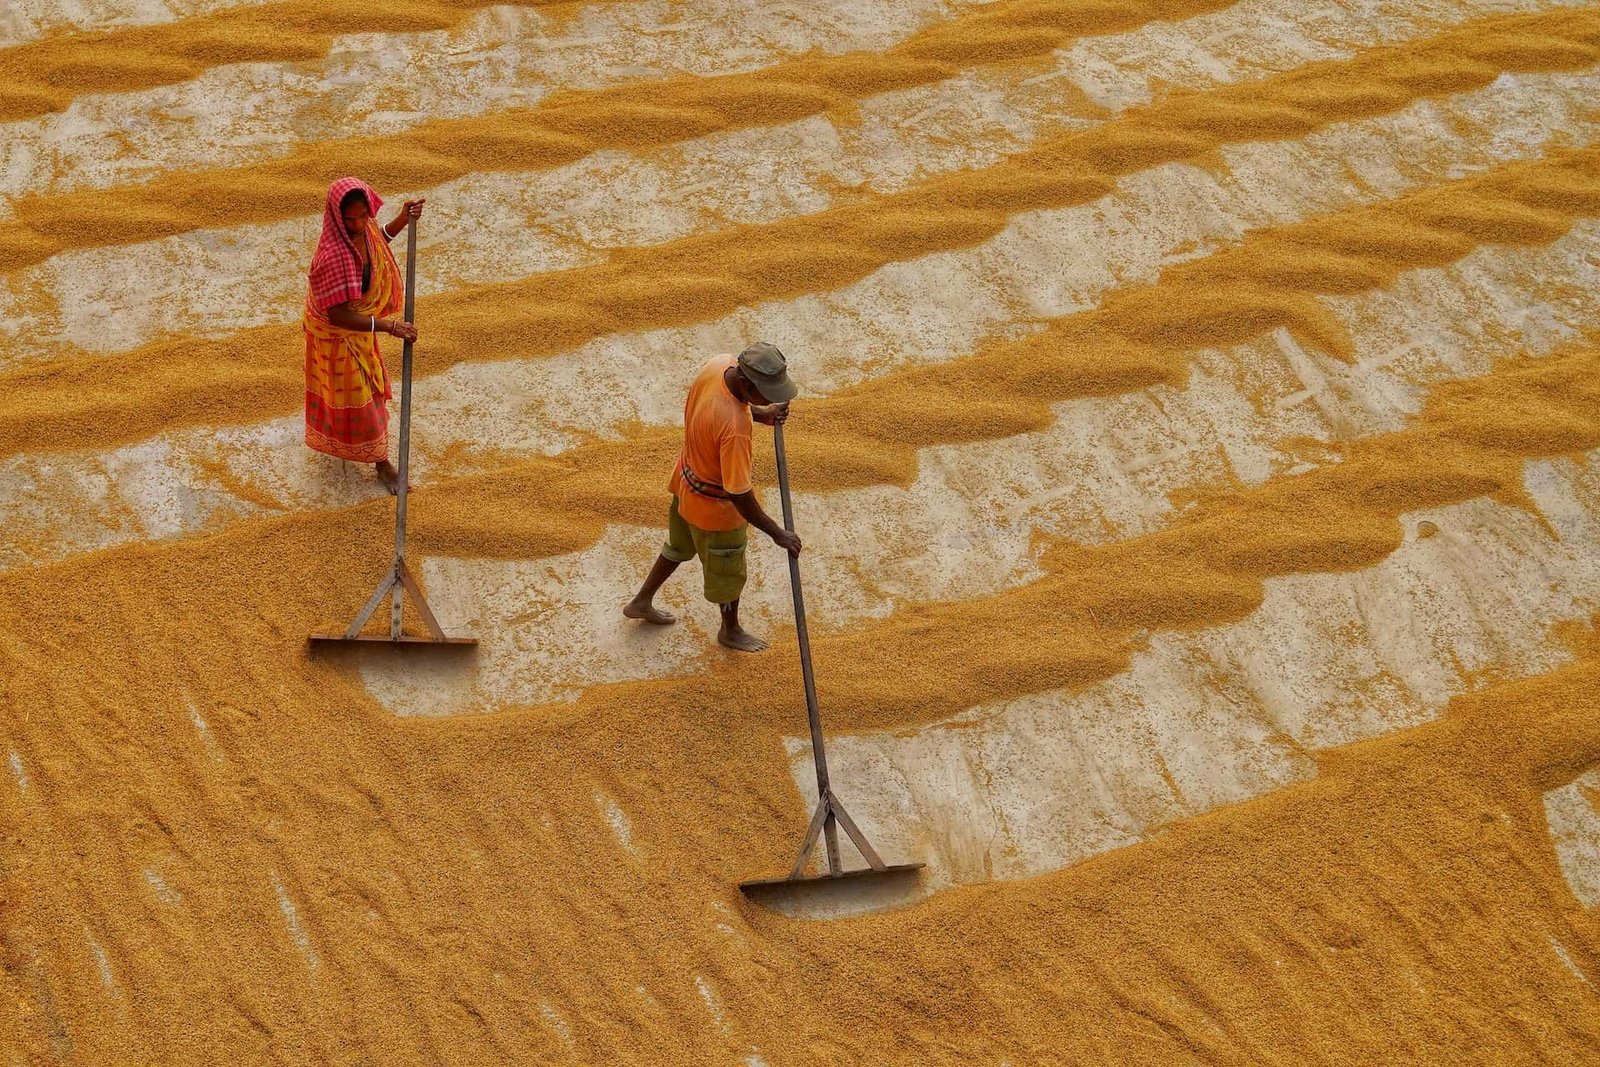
1199, 467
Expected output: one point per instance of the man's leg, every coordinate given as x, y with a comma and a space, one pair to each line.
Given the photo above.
641, 606
722, 557
679, 547
734, 636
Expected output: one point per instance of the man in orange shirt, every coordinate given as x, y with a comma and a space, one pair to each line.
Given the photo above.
713, 503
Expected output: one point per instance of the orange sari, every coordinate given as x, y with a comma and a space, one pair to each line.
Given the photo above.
347, 385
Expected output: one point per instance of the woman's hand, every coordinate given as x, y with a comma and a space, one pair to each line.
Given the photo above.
411, 209
400, 328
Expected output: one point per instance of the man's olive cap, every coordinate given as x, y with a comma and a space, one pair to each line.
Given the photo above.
766, 368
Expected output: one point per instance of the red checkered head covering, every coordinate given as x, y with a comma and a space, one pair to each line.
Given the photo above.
335, 269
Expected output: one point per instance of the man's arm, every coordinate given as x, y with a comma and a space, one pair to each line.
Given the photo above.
749, 507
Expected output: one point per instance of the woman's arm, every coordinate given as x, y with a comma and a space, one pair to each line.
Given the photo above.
342, 316
411, 209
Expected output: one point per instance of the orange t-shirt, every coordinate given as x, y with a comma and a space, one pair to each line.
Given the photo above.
716, 447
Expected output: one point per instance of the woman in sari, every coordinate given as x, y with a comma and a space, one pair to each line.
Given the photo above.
355, 293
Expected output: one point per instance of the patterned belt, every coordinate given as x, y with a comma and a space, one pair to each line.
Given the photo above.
715, 492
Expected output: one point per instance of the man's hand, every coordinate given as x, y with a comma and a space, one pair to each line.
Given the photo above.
789, 542
772, 414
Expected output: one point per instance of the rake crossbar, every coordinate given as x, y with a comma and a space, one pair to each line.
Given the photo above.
829, 811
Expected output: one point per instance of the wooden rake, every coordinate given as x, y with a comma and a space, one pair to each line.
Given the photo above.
399, 580
830, 814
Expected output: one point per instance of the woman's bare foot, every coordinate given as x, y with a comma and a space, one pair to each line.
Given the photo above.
645, 611
388, 475
739, 639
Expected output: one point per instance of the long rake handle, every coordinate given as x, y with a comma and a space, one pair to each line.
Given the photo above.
818, 754
405, 428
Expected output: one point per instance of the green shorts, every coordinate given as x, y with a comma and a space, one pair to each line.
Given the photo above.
721, 554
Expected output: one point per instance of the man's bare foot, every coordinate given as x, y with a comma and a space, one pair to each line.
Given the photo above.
388, 475
648, 612
740, 640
